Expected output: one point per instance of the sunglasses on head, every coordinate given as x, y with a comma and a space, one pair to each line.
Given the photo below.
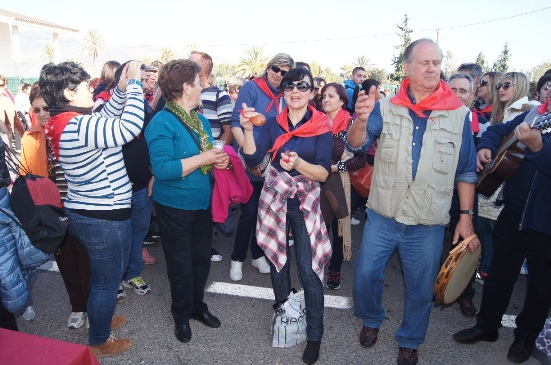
302, 86
505, 85
45, 109
483, 83
276, 69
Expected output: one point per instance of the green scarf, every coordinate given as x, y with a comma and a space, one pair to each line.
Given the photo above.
192, 121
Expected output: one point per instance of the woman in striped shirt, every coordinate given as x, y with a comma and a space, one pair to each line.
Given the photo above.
98, 189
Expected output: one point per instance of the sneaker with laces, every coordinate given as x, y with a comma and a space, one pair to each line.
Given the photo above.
147, 258
261, 264
121, 295
407, 356
334, 280
236, 270
140, 286
354, 221
76, 320
368, 336
215, 255
112, 346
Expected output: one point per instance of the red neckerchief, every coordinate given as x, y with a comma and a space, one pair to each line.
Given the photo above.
318, 124
475, 127
104, 95
542, 109
340, 122
263, 85
487, 109
442, 98
55, 127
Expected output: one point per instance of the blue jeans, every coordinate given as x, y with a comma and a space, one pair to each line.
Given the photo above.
245, 236
313, 287
486, 236
140, 219
107, 244
420, 249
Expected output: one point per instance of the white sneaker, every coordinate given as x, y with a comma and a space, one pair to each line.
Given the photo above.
261, 264
76, 320
236, 270
354, 221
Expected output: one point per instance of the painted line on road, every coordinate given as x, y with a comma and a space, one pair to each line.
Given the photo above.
331, 301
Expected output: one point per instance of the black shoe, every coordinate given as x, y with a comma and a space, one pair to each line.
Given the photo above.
334, 280
475, 334
407, 356
520, 351
368, 336
207, 319
183, 332
311, 352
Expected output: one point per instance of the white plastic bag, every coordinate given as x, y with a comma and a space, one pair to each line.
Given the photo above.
289, 321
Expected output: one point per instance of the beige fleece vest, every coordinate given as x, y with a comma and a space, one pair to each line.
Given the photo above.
427, 199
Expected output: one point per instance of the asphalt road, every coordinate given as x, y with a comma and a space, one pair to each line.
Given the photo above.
244, 337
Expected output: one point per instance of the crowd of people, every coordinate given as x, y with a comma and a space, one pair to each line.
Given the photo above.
158, 144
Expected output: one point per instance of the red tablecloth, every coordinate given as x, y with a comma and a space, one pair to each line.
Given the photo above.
18, 348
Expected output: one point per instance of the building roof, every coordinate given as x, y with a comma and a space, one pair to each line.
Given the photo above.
19, 19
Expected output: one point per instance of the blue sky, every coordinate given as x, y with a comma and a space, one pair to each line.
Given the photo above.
331, 33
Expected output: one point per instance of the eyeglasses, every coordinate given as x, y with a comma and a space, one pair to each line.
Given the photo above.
276, 69
483, 83
505, 85
37, 109
86, 83
302, 86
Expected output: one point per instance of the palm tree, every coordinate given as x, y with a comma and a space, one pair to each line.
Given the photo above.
49, 52
191, 46
361, 61
166, 55
254, 63
93, 43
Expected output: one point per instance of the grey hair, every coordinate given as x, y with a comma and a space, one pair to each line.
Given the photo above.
280, 59
408, 53
234, 83
463, 76
473, 69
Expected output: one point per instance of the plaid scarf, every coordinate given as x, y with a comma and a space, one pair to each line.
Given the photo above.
271, 225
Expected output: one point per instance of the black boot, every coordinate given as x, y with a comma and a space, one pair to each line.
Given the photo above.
311, 352
7, 319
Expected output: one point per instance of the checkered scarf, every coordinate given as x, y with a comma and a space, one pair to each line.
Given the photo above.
271, 232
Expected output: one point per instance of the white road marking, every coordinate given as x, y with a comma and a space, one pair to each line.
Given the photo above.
331, 301
508, 321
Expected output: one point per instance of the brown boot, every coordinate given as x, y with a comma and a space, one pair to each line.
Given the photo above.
118, 321
112, 346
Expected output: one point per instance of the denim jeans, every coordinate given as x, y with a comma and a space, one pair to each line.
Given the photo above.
108, 246
486, 236
420, 249
187, 240
311, 283
140, 218
245, 236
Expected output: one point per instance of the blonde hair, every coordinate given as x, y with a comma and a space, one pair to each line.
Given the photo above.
521, 87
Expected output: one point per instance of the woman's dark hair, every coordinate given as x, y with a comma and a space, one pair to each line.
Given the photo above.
366, 85
174, 74
340, 90
298, 74
542, 81
54, 79
35, 92
107, 76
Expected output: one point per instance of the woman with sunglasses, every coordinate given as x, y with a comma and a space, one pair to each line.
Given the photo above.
485, 94
299, 141
264, 95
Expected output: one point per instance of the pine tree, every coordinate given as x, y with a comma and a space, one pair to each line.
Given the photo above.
398, 61
481, 60
502, 62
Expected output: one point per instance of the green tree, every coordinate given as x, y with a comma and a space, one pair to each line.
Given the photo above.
330, 76
379, 74
449, 66
346, 71
502, 62
49, 53
481, 60
253, 63
316, 69
538, 70
94, 44
224, 71
166, 55
361, 61
398, 61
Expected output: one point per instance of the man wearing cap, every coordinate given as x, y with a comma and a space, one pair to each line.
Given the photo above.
150, 82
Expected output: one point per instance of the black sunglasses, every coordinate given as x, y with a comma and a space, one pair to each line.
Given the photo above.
302, 86
37, 109
483, 83
276, 69
505, 85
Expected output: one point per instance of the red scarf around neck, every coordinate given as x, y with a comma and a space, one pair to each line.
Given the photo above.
318, 124
55, 127
263, 85
487, 109
442, 98
543, 108
340, 122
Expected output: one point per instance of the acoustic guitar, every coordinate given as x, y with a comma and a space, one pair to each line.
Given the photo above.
508, 158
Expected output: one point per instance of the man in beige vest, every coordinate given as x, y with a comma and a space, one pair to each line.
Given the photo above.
425, 147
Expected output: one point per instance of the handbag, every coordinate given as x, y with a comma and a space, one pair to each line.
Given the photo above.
361, 180
289, 321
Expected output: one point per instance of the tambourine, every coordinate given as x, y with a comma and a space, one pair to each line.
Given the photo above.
456, 272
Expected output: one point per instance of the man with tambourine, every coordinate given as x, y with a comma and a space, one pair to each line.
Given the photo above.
522, 230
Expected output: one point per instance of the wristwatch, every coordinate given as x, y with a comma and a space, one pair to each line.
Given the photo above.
134, 81
469, 212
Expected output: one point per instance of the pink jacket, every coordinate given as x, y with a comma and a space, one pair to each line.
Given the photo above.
231, 186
